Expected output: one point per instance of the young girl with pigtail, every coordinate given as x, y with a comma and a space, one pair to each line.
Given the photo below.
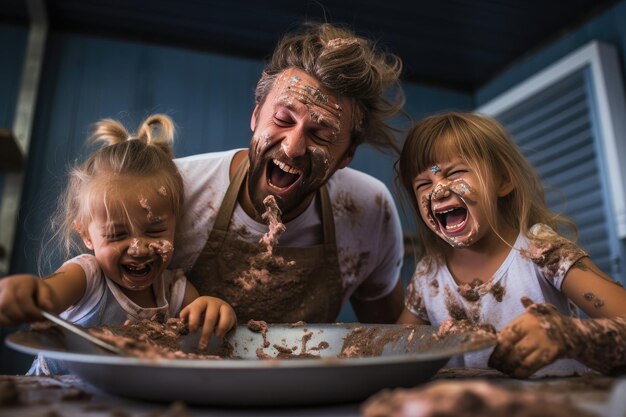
122, 205
491, 254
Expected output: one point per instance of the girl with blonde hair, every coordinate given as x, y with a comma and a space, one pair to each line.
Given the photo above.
490, 252
122, 205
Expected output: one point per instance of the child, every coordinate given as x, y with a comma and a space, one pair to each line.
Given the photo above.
123, 203
488, 241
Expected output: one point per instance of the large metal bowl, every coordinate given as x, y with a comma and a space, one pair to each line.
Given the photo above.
409, 358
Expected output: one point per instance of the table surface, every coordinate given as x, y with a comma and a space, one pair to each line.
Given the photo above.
68, 396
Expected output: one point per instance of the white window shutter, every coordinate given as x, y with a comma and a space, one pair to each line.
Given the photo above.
569, 120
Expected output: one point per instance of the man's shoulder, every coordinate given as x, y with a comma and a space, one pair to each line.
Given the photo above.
198, 169
205, 157
350, 178
361, 200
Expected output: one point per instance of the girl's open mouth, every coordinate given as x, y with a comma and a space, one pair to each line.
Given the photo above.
281, 176
137, 272
452, 220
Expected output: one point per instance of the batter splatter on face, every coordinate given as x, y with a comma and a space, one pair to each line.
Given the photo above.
145, 204
301, 135
260, 142
448, 220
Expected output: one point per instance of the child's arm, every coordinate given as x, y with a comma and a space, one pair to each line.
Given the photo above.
22, 296
541, 335
214, 314
407, 317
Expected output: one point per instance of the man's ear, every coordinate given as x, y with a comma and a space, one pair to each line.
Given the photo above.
253, 117
347, 157
505, 188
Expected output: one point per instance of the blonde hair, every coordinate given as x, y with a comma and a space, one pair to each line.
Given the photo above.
349, 65
146, 154
489, 151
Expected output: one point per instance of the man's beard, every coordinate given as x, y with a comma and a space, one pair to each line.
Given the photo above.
309, 183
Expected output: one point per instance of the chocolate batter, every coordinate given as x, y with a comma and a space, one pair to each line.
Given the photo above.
306, 286
597, 343
473, 398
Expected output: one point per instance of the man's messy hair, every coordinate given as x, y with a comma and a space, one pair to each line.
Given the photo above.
350, 66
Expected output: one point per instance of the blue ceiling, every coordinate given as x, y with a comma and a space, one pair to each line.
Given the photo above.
457, 44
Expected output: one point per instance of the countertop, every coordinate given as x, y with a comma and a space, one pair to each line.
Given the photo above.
68, 396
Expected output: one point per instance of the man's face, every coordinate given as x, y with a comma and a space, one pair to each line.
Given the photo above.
301, 137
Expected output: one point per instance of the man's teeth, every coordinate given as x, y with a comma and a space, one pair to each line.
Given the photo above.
286, 167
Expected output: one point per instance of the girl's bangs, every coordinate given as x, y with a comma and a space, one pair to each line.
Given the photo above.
435, 149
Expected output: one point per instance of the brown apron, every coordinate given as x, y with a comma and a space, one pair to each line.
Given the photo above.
308, 289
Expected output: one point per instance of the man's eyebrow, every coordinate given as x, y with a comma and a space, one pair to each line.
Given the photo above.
326, 124
287, 104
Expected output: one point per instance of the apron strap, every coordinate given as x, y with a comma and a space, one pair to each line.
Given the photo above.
328, 221
230, 198
227, 207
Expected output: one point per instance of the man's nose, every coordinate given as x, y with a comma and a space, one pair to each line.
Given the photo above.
294, 144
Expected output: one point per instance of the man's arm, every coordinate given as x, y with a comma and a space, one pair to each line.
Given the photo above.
384, 310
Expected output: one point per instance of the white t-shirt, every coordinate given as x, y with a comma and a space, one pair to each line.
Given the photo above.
430, 294
367, 225
105, 303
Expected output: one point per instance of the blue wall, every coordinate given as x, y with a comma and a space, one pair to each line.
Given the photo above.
13, 45
84, 79
209, 96
609, 27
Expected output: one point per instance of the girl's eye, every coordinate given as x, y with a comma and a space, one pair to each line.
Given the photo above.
155, 233
113, 237
420, 185
457, 172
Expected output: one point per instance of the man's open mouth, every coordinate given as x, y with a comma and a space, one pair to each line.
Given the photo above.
451, 219
282, 176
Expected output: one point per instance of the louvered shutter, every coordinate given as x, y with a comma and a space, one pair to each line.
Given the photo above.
554, 130
557, 122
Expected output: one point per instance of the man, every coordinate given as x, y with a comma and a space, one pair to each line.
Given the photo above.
319, 97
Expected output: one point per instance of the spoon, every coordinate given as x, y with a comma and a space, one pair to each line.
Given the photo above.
81, 333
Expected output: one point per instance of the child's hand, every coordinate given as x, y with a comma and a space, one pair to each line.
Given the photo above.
218, 316
21, 297
533, 340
